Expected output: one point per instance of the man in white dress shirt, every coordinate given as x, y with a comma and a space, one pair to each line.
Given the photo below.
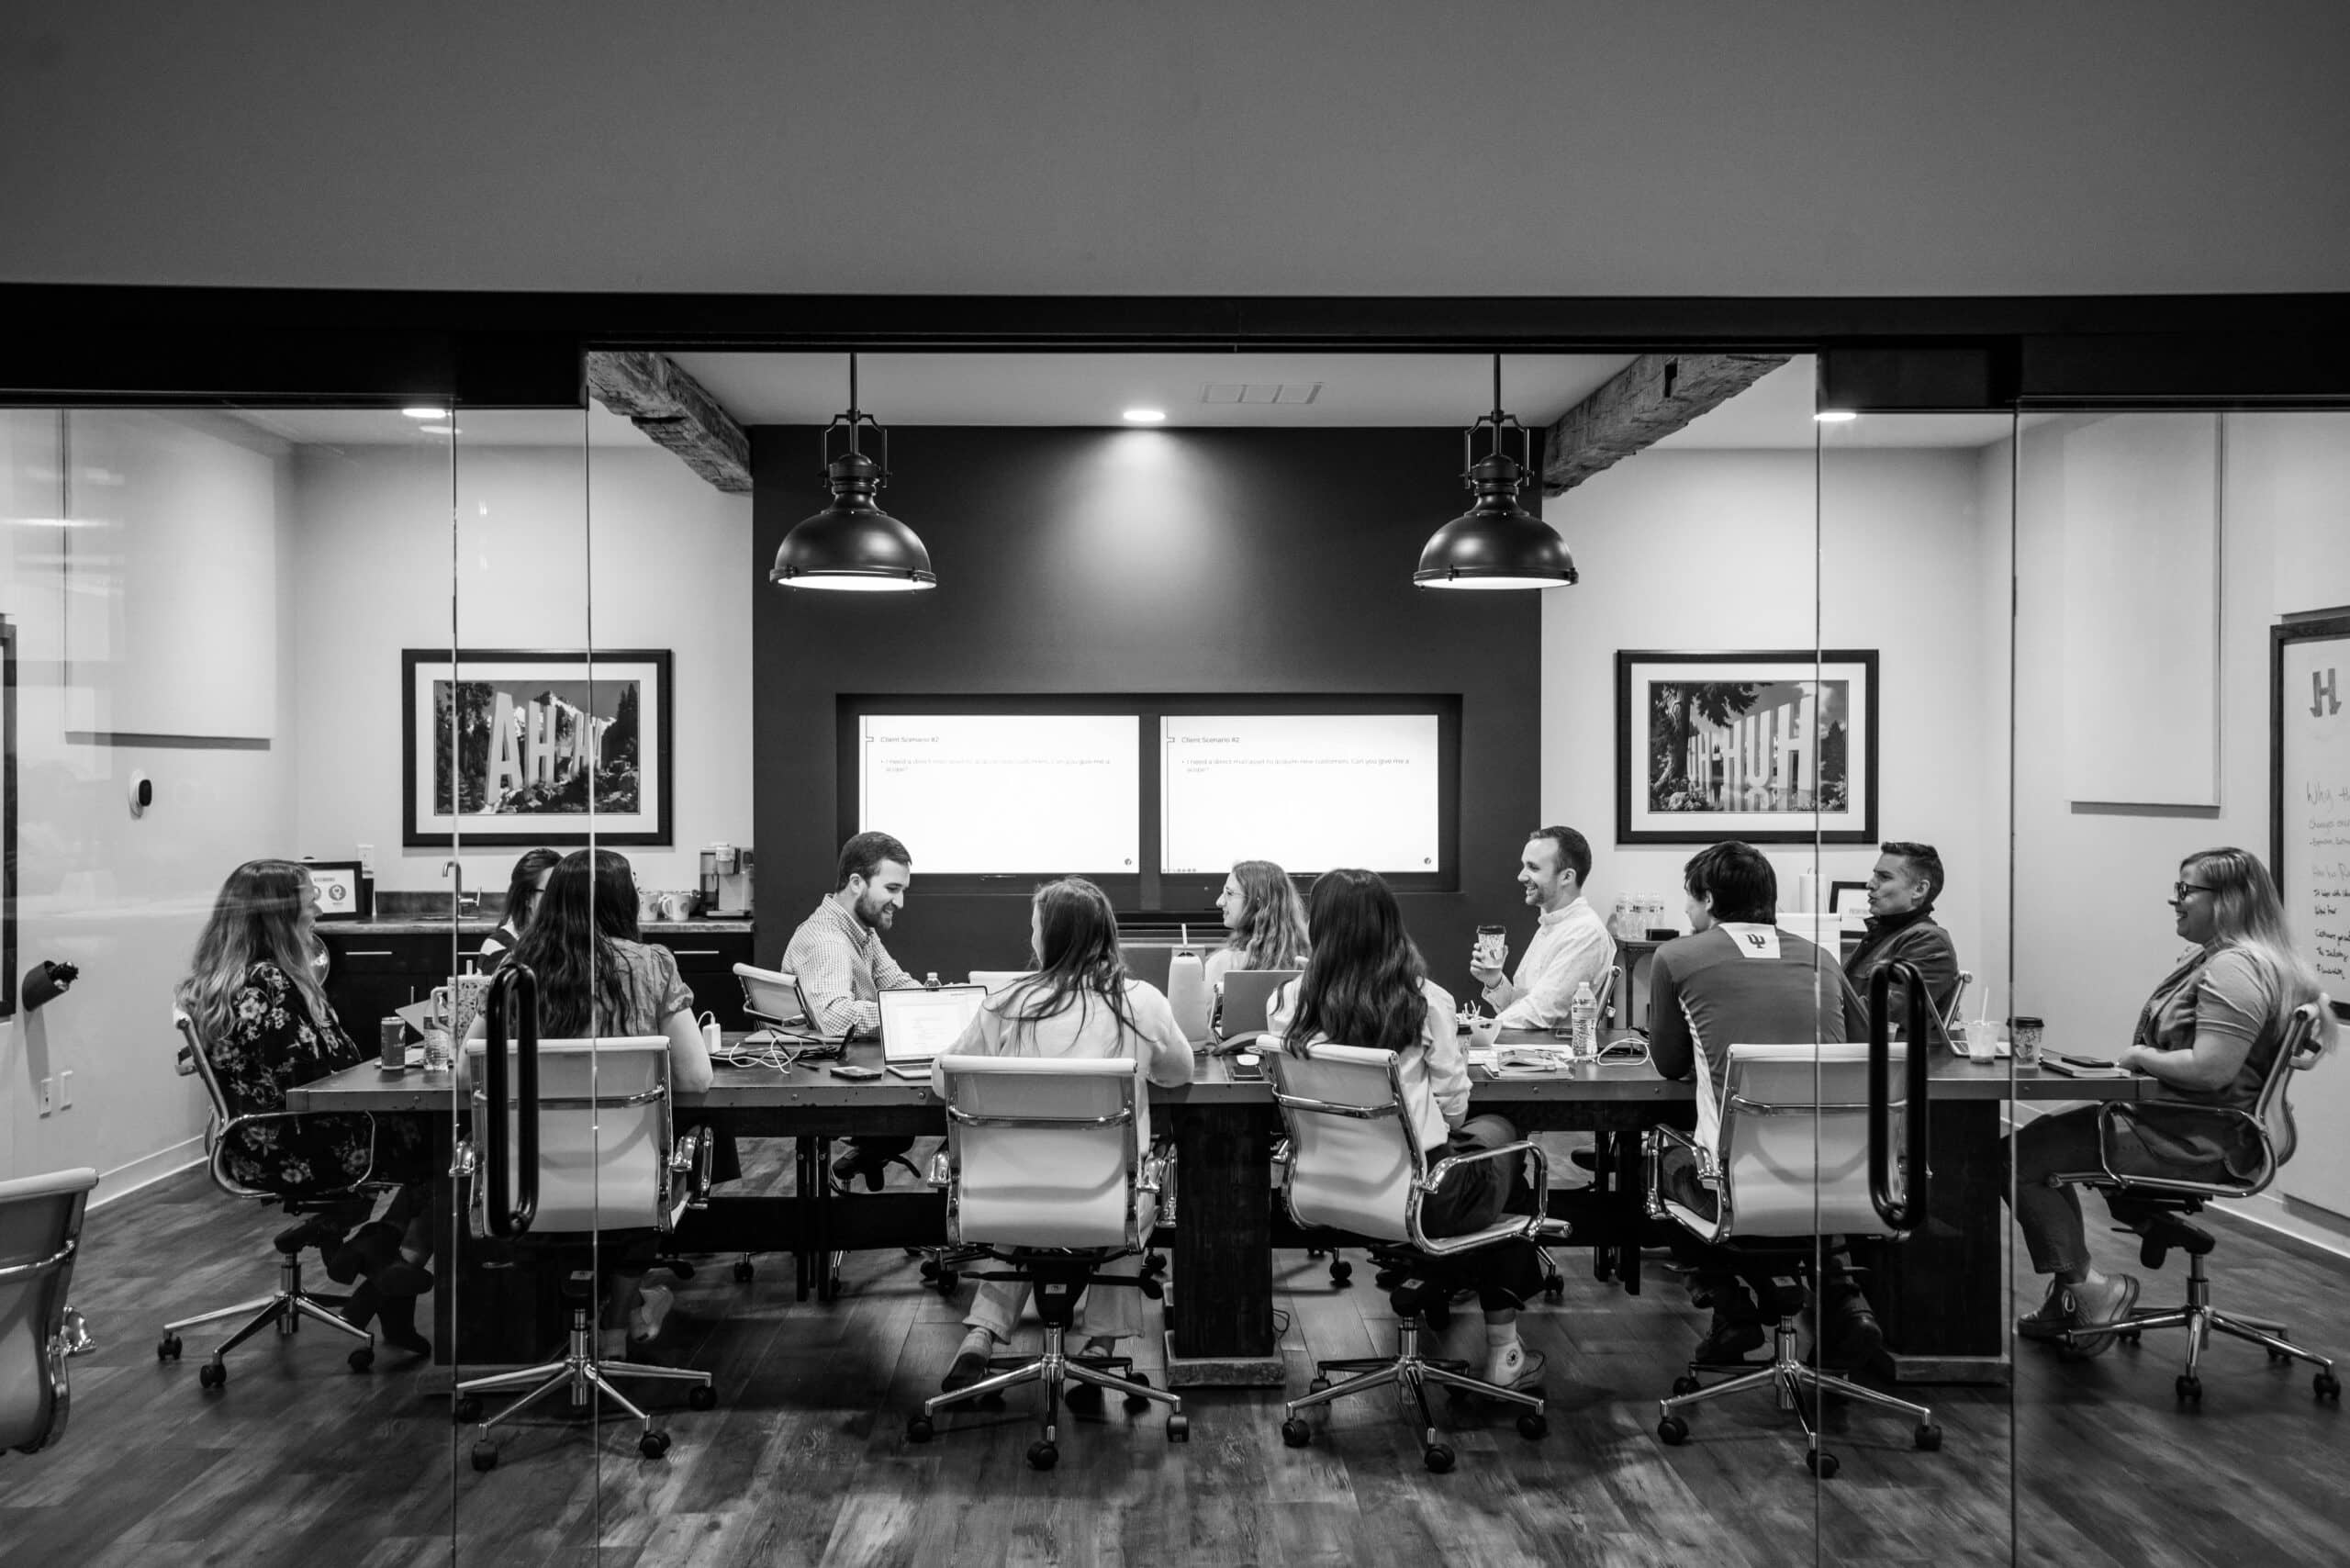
1571, 944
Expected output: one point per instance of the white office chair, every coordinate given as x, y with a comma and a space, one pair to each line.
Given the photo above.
1355, 1168
291, 1302
40, 1231
1047, 1170
1794, 1164
596, 1158
2165, 1202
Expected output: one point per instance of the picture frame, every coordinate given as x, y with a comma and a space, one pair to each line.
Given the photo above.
337, 885
1848, 898
7, 818
2309, 789
1718, 746
514, 748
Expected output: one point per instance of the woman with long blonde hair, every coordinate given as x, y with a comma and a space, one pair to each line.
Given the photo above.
1265, 921
2209, 1035
265, 1024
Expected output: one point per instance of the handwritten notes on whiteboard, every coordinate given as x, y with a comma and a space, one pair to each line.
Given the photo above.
2313, 795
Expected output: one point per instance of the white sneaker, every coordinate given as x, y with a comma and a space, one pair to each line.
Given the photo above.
652, 1307
1514, 1366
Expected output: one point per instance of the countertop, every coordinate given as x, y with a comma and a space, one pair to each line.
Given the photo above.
475, 926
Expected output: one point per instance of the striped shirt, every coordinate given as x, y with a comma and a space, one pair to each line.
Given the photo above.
843, 969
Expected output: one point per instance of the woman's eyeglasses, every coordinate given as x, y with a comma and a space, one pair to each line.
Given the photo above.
2179, 891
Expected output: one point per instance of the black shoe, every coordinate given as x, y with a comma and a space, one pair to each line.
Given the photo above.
371, 1247
1852, 1336
396, 1325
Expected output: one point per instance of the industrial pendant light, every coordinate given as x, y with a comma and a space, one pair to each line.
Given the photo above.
853, 545
1496, 544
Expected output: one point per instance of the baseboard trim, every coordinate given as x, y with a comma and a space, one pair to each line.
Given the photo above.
146, 1170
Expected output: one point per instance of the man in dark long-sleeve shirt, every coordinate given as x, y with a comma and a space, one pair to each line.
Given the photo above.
1902, 890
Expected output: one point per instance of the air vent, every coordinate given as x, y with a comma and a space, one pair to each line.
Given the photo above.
1293, 393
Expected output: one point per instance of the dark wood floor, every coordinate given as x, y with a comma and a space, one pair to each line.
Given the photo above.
299, 1462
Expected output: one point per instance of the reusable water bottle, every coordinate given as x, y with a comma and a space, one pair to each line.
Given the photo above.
1187, 994
1584, 1017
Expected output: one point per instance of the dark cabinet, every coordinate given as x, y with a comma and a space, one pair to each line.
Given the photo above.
374, 972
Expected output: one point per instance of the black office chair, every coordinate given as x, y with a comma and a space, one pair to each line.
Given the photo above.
286, 1307
2160, 1204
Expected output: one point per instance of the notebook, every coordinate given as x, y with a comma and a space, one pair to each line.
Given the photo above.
918, 1025
1246, 994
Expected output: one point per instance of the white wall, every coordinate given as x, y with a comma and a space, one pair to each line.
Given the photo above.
124, 898
542, 533
1718, 549
1075, 146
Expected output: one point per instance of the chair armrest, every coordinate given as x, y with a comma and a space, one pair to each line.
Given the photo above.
691, 1160
1652, 1144
1157, 1171
74, 1333
2223, 1124
220, 1178
1538, 1226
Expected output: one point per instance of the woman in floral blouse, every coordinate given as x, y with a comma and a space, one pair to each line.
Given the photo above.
266, 1027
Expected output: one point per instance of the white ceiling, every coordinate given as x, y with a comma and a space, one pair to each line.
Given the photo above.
1418, 391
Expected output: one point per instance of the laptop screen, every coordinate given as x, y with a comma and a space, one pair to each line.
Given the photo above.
1245, 994
918, 1025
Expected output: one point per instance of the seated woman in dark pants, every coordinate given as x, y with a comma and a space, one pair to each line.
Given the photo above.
253, 992
1365, 985
2209, 1032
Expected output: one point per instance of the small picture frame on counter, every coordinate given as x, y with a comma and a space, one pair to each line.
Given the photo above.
343, 894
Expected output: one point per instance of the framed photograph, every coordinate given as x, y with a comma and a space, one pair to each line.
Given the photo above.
337, 885
2308, 790
1768, 748
515, 747
1848, 898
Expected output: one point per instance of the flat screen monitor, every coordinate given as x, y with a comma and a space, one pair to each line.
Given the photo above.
1307, 790
1004, 794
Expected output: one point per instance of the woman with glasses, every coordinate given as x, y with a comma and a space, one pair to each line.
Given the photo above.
522, 890
2209, 1035
1264, 919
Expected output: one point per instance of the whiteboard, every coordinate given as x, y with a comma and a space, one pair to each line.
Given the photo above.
2311, 851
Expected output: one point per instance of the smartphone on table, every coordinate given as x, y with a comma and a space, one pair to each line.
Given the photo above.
859, 1074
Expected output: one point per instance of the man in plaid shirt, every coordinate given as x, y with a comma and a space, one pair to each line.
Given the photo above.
843, 969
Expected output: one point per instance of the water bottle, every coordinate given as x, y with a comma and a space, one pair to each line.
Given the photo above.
1187, 995
930, 981
1585, 1017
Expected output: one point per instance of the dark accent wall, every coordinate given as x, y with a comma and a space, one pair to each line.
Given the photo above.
1137, 561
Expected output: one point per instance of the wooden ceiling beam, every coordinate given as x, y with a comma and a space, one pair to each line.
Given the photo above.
675, 409
1645, 401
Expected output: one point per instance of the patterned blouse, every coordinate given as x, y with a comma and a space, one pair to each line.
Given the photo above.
271, 1044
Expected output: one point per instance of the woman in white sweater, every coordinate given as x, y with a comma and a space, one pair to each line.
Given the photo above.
1082, 1003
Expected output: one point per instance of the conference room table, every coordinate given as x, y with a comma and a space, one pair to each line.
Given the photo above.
1941, 1293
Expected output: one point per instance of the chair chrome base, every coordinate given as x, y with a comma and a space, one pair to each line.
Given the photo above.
1054, 1368
1410, 1373
1798, 1386
286, 1308
2202, 1320
584, 1376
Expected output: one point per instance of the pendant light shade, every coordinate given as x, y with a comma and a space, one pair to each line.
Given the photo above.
1496, 544
853, 545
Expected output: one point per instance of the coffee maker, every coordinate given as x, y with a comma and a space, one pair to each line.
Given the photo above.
726, 882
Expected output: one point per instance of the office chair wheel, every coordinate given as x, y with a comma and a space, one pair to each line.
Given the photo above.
1555, 1287
484, 1457
2189, 1389
2327, 1386
1296, 1433
1318, 1384
1437, 1458
744, 1271
211, 1374
1823, 1463
1682, 1385
918, 1430
468, 1410
2128, 1337
167, 1349
361, 1359
1342, 1273
946, 1280
1043, 1456
1178, 1428
654, 1445
1673, 1430
2275, 1356
1532, 1424
1928, 1437
701, 1398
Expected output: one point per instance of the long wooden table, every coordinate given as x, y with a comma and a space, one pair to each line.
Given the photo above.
1941, 1294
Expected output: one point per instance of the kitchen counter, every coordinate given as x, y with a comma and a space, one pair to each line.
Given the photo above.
476, 926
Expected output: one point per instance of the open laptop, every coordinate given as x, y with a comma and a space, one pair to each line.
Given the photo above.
1246, 994
918, 1025
778, 1002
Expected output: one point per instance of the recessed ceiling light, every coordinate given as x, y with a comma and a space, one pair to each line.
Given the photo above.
1146, 416
422, 413
1835, 416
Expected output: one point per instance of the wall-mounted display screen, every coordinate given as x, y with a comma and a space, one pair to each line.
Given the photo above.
1308, 790
1008, 794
